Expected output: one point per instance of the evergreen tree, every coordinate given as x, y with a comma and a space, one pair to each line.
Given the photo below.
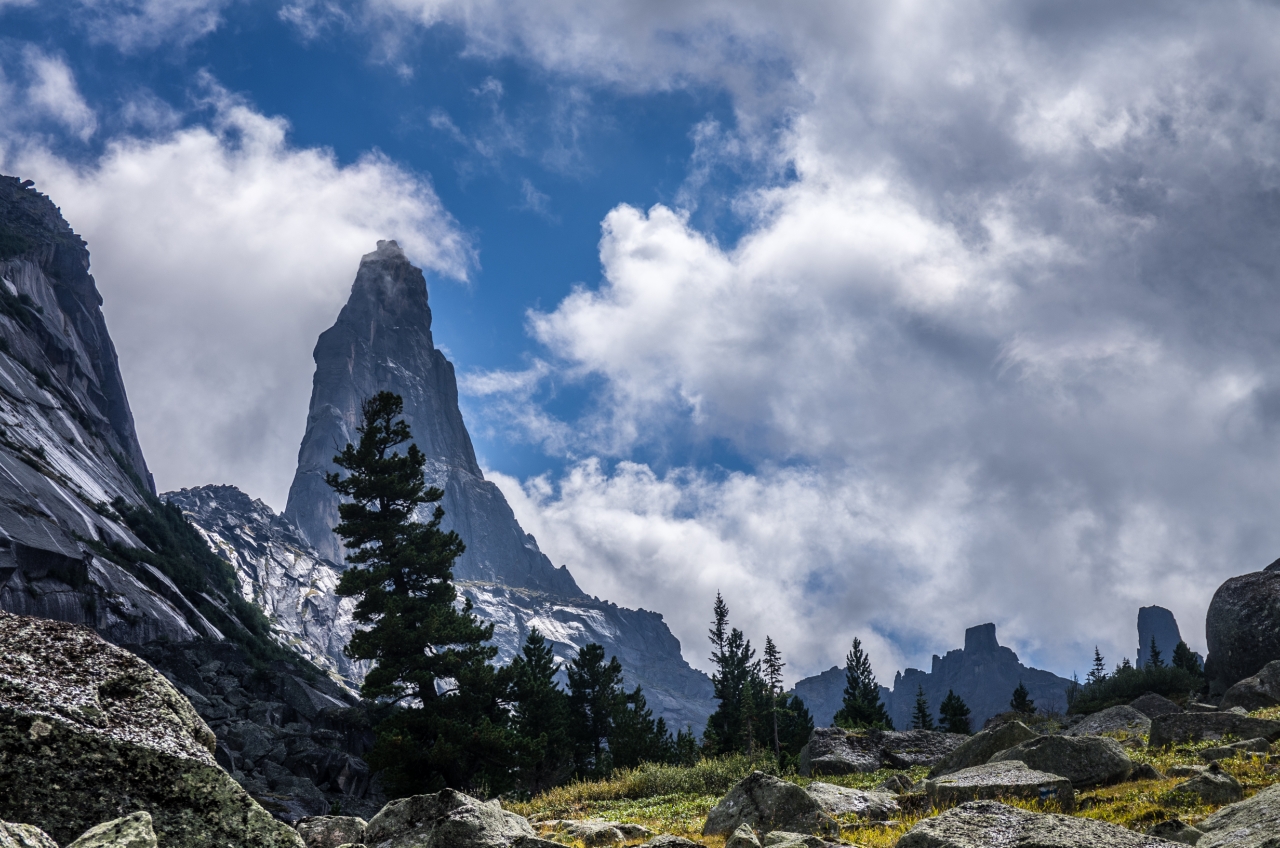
795, 725
539, 717
1185, 659
1154, 660
686, 751
773, 666
595, 698
862, 707
1099, 670
1021, 702
921, 719
635, 737
429, 655
955, 714
737, 687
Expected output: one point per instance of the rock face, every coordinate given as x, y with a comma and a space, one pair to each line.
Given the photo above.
982, 746
1242, 627
1119, 719
447, 819
331, 831
833, 751
382, 341
118, 737
1084, 760
1011, 779
1257, 691
1192, 727
982, 824
131, 831
1157, 623
767, 804
1252, 823
24, 836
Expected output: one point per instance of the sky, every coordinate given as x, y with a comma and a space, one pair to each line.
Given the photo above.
883, 319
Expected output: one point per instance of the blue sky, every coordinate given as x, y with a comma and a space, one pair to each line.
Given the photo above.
883, 319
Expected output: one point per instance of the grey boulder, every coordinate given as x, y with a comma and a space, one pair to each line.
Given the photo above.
1175, 830
1242, 627
767, 803
832, 751
1252, 823
908, 748
1255, 692
666, 840
1119, 719
787, 839
982, 824
1084, 760
1145, 771
597, 832
1009, 779
840, 801
331, 831
1213, 786
1153, 706
446, 819
1249, 746
132, 831
24, 836
1193, 727
743, 837
981, 746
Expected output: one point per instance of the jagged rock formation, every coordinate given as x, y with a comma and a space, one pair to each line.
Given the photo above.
382, 341
983, 673
1157, 623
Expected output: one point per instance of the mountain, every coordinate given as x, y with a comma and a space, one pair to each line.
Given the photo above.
1158, 623
983, 673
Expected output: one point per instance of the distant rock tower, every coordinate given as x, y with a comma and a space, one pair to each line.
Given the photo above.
1160, 623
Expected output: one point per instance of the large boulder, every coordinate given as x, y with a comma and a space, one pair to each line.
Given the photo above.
447, 819
132, 831
1213, 786
1257, 691
981, 746
1194, 727
24, 836
1084, 760
907, 748
993, 781
832, 751
331, 831
982, 824
1152, 705
1252, 823
1235, 749
842, 801
1242, 627
768, 804
116, 738
1121, 719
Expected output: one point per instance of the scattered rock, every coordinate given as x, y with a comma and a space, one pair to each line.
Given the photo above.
331, 831
1222, 752
1120, 719
980, 747
24, 836
1008, 779
895, 783
595, 832
1255, 692
1153, 706
1145, 771
787, 839
1174, 830
909, 748
132, 831
1252, 823
982, 824
1242, 627
743, 837
1186, 770
1213, 786
666, 840
767, 803
839, 801
1193, 727
1084, 760
833, 751
446, 819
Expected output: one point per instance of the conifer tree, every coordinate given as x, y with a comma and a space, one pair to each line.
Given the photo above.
429, 655
636, 737
921, 719
539, 717
737, 686
1154, 660
862, 706
795, 725
955, 714
1185, 659
773, 666
1021, 702
595, 698
1099, 671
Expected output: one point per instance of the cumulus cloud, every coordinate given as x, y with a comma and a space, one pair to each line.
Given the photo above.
222, 252
134, 25
45, 90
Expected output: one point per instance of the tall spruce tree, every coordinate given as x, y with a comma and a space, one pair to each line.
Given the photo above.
1021, 702
795, 725
1185, 659
921, 718
636, 737
862, 706
737, 686
1154, 660
1099, 671
539, 717
954, 713
429, 655
773, 666
595, 698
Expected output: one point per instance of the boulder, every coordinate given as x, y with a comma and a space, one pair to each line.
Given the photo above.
446, 819
982, 824
593, 832
895, 784
1145, 771
1255, 692
1119, 719
1009, 779
132, 831
1175, 830
909, 748
840, 801
832, 751
1252, 823
331, 831
1223, 752
1193, 727
1153, 706
767, 803
1242, 627
1084, 760
120, 739
743, 837
1213, 786
787, 839
981, 746
667, 840
1185, 770
24, 836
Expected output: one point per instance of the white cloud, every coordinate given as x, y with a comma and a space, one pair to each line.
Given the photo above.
133, 25
222, 252
53, 92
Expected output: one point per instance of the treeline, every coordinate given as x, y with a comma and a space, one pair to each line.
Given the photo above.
1179, 678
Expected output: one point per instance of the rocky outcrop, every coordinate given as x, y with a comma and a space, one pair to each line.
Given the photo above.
1084, 760
1193, 727
1256, 691
1242, 627
449, 819
1157, 623
986, 823
118, 737
1119, 720
766, 804
982, 746
1252, 823
833, 751
993, 781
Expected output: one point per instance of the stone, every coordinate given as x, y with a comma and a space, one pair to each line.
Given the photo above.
981, 746
24, 836
132, 831
1119, 720
1084, 760
909, 748
1242, 627
1008, 779
1256, 691
833, 751
596, 831
840, 801
767, 803
668, 840
331, 831
984, 824
1194, 727
1213, 786
1247, 746
895, 784
787, 839
1153, 706
1175, 830
1186, 770
743, 837
120, 739
1145, 771
1251, 823
446, 819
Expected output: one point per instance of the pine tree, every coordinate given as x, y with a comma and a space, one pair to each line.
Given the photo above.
955, 714
921, 719
862, 706
1099, 671
1125, 665
1020, 702
429, 655
1154, 660
635, 737
795, 725
773, 666
539, 717
595, 698
1185, 659
732, 726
